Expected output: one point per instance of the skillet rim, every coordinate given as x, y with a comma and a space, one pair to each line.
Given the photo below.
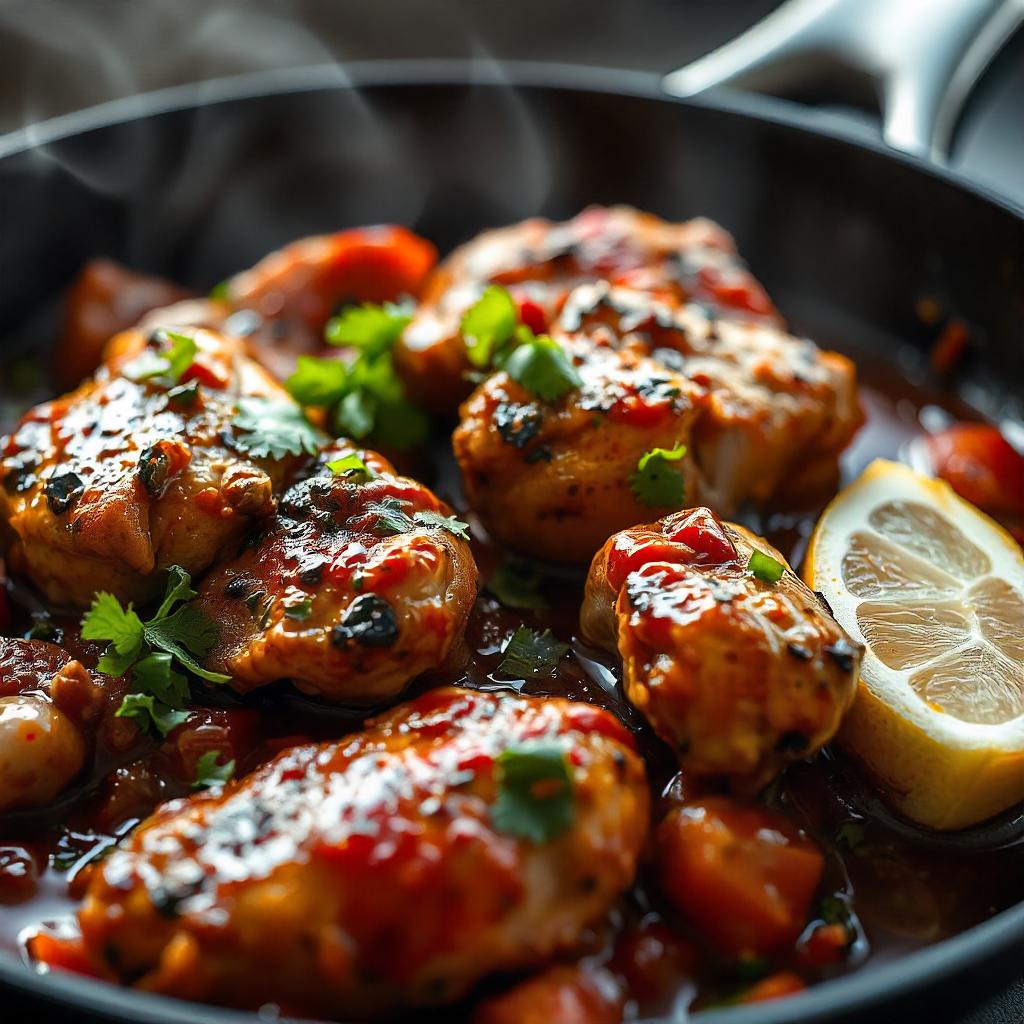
851, 993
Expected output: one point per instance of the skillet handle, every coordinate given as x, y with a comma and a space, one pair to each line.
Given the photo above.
923, 58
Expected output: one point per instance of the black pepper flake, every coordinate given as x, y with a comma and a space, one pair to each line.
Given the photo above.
154, 470
539, 454
370, 621
237, 587
517, 424
313, 574
843, 653
799, 652
63, 490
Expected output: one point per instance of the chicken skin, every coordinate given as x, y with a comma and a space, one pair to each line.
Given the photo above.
739, 674
382, 871
130, 473
539, 262
761, 415
553, 478
354, 588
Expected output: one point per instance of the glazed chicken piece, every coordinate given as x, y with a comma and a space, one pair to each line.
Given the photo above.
104, 488
740, 675
382, 871
49, 708
553, 478
763, 417
354, 588
539, 262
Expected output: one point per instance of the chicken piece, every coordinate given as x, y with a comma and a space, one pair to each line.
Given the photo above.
553, 479
382, 871
779, 410
540, 262
49, 708
104, 488
104, 300
348, 602
741, 676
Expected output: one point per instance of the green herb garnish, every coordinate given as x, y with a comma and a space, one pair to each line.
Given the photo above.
353, 468
535, 792
372, 329
153, 713
319, 382
530, 653
542, 367
209, 773
489, 325
272, 428
165, 368
300, 610
655, 482
392, 518
765, 568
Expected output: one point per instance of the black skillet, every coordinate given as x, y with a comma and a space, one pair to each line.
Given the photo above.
846, 233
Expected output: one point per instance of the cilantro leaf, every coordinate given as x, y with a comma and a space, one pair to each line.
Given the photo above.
167, 367
453, 525
153, 712
541, 367
179, 588
186, 633
391, 515
356, 414
272, 428
154, 675
317, 381
221, 292
655, 482
764, 567
353, 467
300, 610
530, 653
370, 328
517, 583
400, 424
488, 325
209, 773
107, 620
535, 792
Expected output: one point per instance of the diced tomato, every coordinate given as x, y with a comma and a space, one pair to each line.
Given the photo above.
825, 946
207, 374
533, 316
742, 874
701, 530
980, 465
560, 995
311, 277
735, 290
653, 960
62, 954
775, 986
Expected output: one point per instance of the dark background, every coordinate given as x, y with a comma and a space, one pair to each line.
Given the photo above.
58, 56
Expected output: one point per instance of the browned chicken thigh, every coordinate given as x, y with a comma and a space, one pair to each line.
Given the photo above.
540, 262
137, 469
460, 834
726, 652
359, 583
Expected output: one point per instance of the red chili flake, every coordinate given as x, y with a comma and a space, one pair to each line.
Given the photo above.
206, 374
30, 737
533, 316
950, 347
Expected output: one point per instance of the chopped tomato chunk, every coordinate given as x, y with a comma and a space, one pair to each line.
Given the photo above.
742, 874
63, 954
980, 465
559, 995
775, 986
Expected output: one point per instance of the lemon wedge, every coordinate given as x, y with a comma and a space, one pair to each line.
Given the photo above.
935, 591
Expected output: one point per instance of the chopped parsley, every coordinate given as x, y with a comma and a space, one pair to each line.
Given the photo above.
364, 396
655, 482
542, 367
372, 329
489, 325
300, 610
535, 792
517, 583
165, 368
272, 428
353, 468
531, 653
392, 518
149, 649
764, 567
209, 773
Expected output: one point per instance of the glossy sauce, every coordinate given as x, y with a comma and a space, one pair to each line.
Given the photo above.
907, 888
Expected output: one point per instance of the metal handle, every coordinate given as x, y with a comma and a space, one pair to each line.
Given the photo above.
923, 57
